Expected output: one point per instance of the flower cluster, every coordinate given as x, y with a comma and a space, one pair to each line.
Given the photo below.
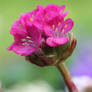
44, 25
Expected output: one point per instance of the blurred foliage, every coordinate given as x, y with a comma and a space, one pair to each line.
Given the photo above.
13, 68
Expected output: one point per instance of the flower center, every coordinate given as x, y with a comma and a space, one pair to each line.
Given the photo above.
56, 28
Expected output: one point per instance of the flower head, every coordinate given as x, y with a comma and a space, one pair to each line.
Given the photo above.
51, 20
56, 32
37, 32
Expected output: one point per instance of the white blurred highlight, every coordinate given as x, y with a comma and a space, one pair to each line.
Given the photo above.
83, 83
39, 86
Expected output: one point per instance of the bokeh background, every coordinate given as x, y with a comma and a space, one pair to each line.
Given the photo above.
15, 70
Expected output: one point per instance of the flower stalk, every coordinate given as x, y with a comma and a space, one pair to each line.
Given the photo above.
67, 77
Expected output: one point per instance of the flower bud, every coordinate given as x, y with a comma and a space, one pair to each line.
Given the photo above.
47, 55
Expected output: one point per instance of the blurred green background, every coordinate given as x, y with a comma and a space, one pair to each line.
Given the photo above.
13, 68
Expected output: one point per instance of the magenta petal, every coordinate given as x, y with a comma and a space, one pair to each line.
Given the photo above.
35, 35
18, 28
22, 50
57, 41
49, 31
52, 7
40, 7
62, 8
60, 40
39, 20
50, 15
68, 24
65, 13
25, 18
52, 11
50, 42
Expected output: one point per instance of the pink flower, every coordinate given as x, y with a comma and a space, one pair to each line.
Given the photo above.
56, 32
42, 25
26, 40
51, 20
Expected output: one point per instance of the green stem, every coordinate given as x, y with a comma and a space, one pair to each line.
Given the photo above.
67, 77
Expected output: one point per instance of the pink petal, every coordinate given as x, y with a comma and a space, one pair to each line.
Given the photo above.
22, 19
50, 42
25, 18
50, 15
62, 8
60, 40
52, 11
57, 41
52, 7
39, 20
65, 13
68, 24
22, 50
40, 7
35, 35
18, 28
49, 31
